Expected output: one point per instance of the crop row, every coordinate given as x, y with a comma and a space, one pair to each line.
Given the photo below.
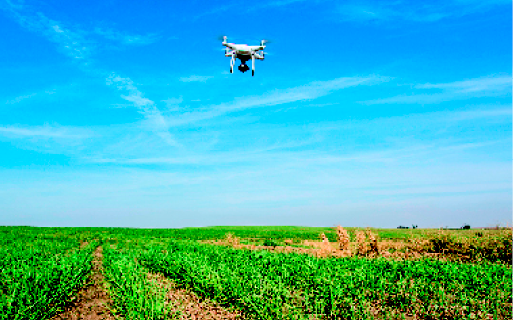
134, 294
292, 286
38, 274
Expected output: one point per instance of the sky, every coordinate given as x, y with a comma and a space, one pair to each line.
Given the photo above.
364, 113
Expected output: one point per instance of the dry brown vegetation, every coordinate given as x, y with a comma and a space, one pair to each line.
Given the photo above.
442, 244
343, 238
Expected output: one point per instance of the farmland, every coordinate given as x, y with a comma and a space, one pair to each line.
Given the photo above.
256, 273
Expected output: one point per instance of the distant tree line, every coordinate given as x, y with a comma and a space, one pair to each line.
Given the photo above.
412, 226
464, 227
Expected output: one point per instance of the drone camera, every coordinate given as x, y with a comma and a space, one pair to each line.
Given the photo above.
243, 68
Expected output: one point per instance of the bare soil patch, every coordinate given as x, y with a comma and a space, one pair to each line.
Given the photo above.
184, 304
91, 302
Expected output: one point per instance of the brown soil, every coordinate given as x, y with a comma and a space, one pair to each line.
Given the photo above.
184, 304
91, 301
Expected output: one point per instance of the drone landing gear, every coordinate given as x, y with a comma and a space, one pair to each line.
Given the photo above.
252, 65
232, 62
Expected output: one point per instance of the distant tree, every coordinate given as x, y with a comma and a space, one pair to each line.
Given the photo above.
402, 227
466, 227
413, 226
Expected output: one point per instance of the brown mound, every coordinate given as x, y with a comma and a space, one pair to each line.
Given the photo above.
92, 300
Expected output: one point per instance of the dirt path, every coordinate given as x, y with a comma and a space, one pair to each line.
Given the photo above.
92, 299
184, 304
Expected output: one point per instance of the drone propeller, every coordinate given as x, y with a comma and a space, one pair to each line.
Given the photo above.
264, 53
264, 41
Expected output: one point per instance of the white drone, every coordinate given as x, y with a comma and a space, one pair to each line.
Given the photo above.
244, 53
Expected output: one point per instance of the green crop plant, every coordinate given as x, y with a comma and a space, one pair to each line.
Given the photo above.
134, 294
41, 268
275, 286
39, 273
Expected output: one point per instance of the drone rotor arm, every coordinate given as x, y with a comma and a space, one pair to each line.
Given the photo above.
259, 57
229, 45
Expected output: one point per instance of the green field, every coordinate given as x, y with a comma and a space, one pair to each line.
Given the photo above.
456, 274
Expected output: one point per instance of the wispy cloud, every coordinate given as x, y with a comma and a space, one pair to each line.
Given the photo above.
310, 91
147, 107
413, 10
218, 9
74, 45
505, 111
195, 78
73, 41
20, 98
46, 131
275, 3
173, 104
23, 97
126, 38
305, 92
312, 145
490, 86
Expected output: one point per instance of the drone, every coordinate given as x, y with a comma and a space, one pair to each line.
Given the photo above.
244, 52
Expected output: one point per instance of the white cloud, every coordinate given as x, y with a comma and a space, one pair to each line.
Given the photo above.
74, 45
46, 131
300, 145
483, 113
274, 3
126, 38
173, 101
310, 91
70, 42
195, 78
154, 119
20, 98
413, 10
172, 104
218, 9
490, 86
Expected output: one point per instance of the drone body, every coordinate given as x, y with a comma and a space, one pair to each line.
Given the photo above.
244, 53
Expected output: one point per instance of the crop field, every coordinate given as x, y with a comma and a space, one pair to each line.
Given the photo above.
254, 273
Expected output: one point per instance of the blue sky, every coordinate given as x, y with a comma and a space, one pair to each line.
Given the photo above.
364, 113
